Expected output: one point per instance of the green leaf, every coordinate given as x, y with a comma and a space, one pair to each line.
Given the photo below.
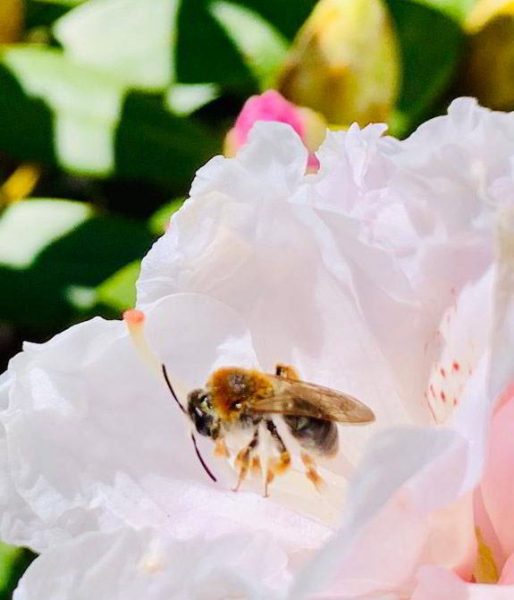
183, 99
205, 53
127, 39
262, 47
118, 292
455, 9
67, 3
49, 274
231, 43
13, 562
152, 144
236, 44
285, 15
159, 221
431, 44
26, 228
43, 13
88, 122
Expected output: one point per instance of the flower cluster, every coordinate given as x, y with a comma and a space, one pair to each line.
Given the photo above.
389, 275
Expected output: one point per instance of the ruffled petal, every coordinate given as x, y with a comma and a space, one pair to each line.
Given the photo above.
271, 165
135, 564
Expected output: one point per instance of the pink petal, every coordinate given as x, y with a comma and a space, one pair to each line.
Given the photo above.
507, 574
435, 583
497, 483
406, 508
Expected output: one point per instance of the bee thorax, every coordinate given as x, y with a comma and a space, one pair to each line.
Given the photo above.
233, 388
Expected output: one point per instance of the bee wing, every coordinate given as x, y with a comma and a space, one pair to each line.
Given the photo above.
301, 399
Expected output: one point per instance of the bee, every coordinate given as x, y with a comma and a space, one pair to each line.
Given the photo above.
236, 399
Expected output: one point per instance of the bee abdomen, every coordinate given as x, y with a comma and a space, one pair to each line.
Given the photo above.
316, 435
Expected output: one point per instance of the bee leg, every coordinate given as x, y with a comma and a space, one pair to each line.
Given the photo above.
220, 448
277, 465
243, 459
311, 472
287, 372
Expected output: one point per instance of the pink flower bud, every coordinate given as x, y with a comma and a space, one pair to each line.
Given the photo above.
272, 106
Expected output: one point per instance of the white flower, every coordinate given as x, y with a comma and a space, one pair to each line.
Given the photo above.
376, 276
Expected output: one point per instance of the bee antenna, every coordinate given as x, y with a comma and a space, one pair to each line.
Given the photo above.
200, 458
181, 406
170, 387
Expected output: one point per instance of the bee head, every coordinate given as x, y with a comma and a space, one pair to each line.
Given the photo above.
201, 412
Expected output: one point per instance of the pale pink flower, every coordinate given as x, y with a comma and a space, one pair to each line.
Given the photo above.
388, 274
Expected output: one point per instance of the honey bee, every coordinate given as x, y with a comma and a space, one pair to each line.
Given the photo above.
236, 399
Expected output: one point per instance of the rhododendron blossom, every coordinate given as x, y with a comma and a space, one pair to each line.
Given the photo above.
387, 275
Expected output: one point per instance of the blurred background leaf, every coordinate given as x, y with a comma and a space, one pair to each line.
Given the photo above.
457, 10
52, 275
86, 122
160, 220
428, 68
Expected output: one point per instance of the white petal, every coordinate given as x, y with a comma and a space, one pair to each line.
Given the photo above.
353, 165
133, 565
271, 165
502, 359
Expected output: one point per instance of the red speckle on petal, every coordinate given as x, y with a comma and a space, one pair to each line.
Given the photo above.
432, 390
443, 372
455, 402
456, 366
443, 396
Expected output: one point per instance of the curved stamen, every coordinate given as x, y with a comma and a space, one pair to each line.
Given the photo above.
135, 320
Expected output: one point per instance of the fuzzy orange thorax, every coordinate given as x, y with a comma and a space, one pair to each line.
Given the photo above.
232, 390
